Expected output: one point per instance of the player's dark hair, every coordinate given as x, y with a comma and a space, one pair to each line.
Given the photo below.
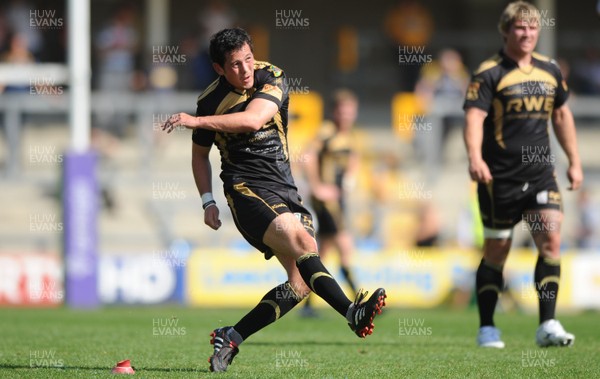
227, 41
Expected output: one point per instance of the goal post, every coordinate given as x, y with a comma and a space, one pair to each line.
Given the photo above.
80, 187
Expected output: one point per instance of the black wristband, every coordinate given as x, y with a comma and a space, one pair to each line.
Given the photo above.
208, 204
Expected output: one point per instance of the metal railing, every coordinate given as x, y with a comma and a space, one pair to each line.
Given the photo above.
145, 106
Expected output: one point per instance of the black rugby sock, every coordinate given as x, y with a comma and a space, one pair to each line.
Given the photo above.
546, 277
276, 303
320, 281
489, 283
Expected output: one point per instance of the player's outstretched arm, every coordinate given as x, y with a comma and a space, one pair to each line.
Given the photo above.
255, 116
564, 128
203, 178
473, 136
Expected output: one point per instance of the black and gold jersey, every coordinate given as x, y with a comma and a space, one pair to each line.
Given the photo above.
334, 152
519, 102
256, 157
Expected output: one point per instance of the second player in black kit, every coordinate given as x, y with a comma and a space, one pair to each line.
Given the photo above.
516, 143
508, 106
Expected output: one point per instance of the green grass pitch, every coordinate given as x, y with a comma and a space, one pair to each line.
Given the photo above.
172, 342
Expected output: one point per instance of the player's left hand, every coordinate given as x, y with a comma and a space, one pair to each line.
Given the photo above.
211, 217
575, 175
180, 119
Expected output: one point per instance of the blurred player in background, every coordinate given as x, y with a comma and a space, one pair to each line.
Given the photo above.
444, 79
245, 112
508, 104
331, 164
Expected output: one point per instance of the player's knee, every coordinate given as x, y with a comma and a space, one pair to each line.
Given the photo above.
496, 251
550, 246
305, 243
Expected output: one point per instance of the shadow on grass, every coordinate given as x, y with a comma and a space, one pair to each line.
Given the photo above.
66, 368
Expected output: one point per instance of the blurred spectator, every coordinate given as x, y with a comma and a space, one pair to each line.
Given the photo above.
18, 53
19, 18
444, 79
588, 222
197, 72
216, 16
116, 44
192, 75
18, 50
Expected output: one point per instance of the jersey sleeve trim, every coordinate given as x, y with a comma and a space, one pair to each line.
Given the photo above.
270, 83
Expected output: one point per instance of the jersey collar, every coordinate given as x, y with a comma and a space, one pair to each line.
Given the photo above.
510, 63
